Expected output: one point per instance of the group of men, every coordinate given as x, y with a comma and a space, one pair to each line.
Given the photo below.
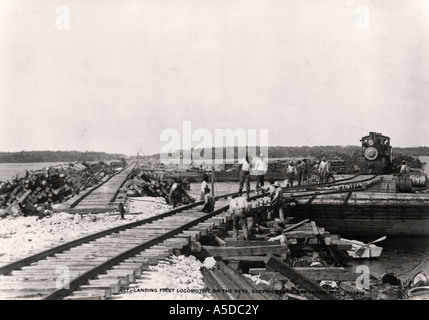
296, 173
242, 217
239, 206
259, 168
177, 192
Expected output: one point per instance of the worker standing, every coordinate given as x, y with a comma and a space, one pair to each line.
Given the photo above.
404, 169
277, 202
290, 174
122, 210
304, 171
204, 185
245, 176
299, 171
261, 170
323, 171
240, 209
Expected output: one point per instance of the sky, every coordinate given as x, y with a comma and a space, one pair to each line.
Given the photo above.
113, 75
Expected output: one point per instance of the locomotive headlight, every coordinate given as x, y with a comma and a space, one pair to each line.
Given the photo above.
370, 142
371, 153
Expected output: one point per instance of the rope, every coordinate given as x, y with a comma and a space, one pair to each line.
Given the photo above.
414, 267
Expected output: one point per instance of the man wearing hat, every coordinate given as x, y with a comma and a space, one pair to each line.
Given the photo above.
271, 189
261, 170
404, 168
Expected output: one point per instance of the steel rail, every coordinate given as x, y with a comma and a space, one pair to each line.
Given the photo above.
41, 255
86, 194
83, 278
6, 269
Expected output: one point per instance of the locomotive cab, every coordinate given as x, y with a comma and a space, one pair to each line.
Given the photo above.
376, 154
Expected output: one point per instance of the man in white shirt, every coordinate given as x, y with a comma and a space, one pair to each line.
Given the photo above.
404, 169
261, 170
204, 185
240, 209
323, 171
244, 176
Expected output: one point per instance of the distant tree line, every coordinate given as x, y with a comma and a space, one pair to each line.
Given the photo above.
415, 151
310, 152
349, 153
57, 156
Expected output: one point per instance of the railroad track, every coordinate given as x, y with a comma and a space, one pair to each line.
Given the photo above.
351, 183
100, 198
95, 266
101, 264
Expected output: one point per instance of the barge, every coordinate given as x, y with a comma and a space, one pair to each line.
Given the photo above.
381, 209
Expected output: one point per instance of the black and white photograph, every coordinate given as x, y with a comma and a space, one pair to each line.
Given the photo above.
214, 154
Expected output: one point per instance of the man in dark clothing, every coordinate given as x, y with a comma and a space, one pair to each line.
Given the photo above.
209, 201
304, 171
299, 172
277, 203
176, 193
122, 210
245, 177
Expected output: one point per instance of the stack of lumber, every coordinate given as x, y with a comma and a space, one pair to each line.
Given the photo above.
305, 237
143, 183
321, 283
225, 283
338, 166
301, 240
277, 165
52, 185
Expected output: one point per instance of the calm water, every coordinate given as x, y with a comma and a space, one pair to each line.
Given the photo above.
9, 170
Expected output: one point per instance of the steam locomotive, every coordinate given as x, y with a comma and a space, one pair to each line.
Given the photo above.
376, 156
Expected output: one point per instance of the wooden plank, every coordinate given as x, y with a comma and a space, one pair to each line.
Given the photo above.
229, 284
249, 243
244, 258
312, 273
303, 234
243, 251
297, 278
240, 282
296, 225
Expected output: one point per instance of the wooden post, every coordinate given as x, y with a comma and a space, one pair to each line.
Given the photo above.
212, 180
219, 241
298, 278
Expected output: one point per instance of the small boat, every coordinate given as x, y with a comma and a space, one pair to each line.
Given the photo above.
361, 250
420, 287
419, 293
